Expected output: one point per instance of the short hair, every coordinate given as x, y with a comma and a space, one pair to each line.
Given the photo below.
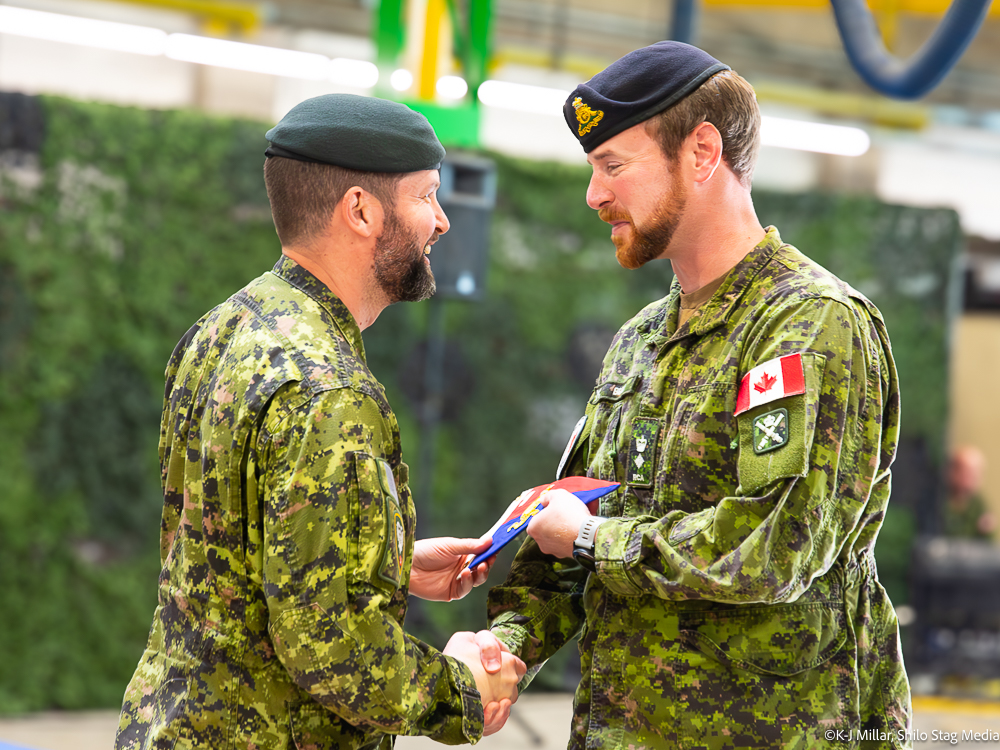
304, 194
728, 102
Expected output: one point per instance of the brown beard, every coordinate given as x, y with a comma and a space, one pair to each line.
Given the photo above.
400, 269
649, 242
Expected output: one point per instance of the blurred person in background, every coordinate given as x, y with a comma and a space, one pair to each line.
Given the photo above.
287, 537
965, 512
726, 596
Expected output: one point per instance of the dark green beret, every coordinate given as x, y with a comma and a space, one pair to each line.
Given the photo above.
636, 87
357, 132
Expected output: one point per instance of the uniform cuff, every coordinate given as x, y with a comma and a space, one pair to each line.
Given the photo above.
511, 635
611, 553
473, 719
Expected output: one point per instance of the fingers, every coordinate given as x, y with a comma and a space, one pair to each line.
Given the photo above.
484, 544
520, 668
490, 649
462, 585
490, 711
559, 495
511, 672
497, 716
482, 571
456, 546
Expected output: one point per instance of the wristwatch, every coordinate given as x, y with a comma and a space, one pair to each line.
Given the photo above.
583, 545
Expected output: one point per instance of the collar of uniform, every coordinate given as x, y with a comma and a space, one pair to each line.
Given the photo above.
660, 328
304, 281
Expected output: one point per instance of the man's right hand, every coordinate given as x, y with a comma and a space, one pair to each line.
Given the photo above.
498, 690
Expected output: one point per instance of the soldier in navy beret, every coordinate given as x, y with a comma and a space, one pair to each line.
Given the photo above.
288, 533
726, 596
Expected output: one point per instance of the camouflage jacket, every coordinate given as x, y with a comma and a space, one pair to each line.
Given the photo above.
286, 544
735, 602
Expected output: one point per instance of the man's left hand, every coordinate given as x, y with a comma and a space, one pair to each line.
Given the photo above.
556, 526
439, 570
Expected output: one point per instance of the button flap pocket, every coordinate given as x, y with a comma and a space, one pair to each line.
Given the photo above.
615, 390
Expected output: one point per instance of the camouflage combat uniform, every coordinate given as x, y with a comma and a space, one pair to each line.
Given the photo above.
736, 602
286, 544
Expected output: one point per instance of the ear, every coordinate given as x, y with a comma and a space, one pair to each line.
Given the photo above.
361, 212
705, 143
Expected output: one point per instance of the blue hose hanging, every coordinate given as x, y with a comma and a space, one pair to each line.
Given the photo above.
909, 79
682, 21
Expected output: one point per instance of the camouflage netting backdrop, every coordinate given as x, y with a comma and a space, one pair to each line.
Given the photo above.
119, 227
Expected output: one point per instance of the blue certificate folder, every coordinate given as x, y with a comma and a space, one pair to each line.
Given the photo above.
528, 503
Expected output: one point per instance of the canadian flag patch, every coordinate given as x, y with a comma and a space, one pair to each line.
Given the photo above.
770, 381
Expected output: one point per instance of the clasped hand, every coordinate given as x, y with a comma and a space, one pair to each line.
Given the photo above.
496, 671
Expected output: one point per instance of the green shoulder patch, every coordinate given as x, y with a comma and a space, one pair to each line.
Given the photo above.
391, 569
770, 431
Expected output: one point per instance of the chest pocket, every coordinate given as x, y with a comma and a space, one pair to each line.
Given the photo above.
699, 451
608, 404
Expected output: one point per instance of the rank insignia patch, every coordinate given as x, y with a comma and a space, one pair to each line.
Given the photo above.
770, 431
642, 452
587, 117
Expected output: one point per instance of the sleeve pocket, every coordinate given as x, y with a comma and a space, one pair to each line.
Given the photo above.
775, 439
379, 531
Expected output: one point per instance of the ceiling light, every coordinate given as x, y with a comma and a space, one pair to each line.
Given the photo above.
250, 57
401, 79
55, 27
813, 136
521, 97
452, 87
359, 73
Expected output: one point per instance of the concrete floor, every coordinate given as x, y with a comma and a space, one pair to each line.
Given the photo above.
537, 721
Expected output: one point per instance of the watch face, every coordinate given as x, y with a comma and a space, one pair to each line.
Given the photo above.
585, 559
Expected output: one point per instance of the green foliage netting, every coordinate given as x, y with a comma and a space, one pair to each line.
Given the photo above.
143, 220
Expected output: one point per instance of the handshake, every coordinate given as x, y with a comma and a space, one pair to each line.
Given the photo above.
496, 671
441, 572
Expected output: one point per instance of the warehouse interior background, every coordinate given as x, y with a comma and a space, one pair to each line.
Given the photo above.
941, 150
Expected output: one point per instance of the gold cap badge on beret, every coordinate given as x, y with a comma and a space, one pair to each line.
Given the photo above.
587, 117
634, 88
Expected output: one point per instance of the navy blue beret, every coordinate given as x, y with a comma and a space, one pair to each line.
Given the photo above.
357, 132
634, 88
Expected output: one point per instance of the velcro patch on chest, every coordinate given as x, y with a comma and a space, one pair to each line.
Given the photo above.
642, 452
767, 382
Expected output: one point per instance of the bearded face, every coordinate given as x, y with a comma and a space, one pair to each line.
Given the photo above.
401, 270
649, 241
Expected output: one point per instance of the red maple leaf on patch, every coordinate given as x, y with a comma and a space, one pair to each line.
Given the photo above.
765, 384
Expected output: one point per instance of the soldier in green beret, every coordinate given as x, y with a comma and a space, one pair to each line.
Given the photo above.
726, 595
287, 537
